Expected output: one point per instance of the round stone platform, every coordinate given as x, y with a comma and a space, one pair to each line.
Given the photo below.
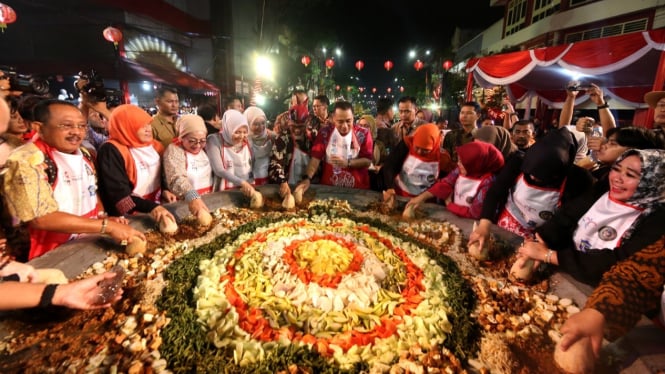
643, 348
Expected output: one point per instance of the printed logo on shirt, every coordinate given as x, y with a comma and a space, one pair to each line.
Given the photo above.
607, 233
143, 165
343, 179
545, 214
584, 245
92, 190
430, 178
68, 178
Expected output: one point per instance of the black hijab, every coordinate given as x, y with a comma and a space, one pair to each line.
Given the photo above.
550, 158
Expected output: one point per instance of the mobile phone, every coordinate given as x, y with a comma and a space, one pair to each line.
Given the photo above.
579, 87
109, 287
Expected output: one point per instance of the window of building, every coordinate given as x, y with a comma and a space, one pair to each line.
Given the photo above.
516, 19
574, 3
544, 8
610, 30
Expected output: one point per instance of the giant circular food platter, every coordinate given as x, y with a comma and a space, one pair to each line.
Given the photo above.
339, 284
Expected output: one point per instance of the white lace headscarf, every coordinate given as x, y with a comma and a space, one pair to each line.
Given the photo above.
252, 114
231, 122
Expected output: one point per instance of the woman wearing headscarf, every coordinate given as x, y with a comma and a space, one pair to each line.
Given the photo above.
130, 166
261, 141
187, 168
230, 154
425, 115
586, 237
291, 153
531, 186
415, 164
498, 136
467, 184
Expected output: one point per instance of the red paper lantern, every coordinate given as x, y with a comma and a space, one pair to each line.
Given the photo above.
330, 63
361, 89
418, 65
447, 65
401, 88
388, 65
373, 89
305, 60
360, 65
7, 16
389, 90
337, 87
112, 35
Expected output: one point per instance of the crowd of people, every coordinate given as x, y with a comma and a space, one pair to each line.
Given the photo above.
590, 205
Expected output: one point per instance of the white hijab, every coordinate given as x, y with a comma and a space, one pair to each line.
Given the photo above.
231, 122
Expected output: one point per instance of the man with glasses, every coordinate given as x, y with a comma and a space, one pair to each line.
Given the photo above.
51, 185
319, 117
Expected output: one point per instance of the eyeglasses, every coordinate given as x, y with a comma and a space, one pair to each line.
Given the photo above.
70, 127
193, 141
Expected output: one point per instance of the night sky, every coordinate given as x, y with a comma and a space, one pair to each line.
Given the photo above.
374, 31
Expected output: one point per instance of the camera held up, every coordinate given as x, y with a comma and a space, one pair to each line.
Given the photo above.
25, 83
91, 84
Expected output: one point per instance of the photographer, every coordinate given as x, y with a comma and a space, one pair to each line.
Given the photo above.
4, 85
584, 126
96, 104
14, 84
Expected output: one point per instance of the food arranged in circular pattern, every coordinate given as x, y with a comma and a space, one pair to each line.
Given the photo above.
337, 290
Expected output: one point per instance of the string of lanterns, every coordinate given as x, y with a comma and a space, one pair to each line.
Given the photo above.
388, 65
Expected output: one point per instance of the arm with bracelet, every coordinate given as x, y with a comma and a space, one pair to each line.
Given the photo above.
81, 294
605, 116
